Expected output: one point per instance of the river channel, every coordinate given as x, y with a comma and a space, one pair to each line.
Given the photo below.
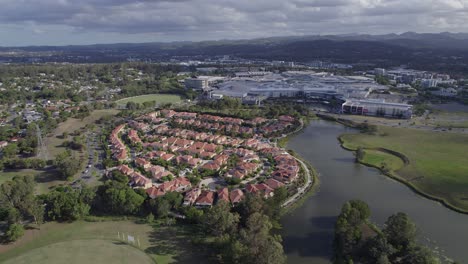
308, 231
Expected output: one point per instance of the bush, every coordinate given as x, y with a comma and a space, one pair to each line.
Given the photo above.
14, 232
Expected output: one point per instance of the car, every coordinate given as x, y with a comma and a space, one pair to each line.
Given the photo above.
86, 171
90, 165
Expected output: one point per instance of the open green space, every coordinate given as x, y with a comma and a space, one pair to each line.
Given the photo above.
438, 163
448, 119
158, 98
45, 179
48, 178
8, 175
83, 251
161, 244
378, 158
54, 141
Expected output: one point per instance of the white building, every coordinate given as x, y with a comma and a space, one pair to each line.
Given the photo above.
202, 82
428, 83
377, 108
379, 71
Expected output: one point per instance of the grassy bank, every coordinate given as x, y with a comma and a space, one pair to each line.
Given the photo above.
160, 244
437, 161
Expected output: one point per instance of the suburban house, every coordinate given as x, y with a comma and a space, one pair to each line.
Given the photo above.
223, 195
236, 196
191, 196
205, 199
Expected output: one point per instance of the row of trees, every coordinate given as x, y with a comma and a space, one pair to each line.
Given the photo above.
244, 234
395, 243
18, 204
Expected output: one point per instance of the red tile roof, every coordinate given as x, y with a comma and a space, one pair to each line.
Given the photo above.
223, 194
236, 196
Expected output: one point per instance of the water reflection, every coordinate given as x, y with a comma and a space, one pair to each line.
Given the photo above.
308, 231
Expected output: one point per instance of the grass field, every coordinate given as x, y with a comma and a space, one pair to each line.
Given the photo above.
54, 141
159, 98
8, 175
438, 161
162, 244
83, 251
45, 179
377, 158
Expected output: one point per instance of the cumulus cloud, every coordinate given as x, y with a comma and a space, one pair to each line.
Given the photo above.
216, 19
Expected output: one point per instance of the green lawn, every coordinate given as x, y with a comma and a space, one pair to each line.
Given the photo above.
376, 158
8, 175
45, 179
83, 251
54, 141
438, 161
161, 244
158, 98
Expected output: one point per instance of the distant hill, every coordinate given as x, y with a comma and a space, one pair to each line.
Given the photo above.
442, 50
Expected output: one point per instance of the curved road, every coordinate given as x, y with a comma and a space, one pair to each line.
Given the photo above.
302, 189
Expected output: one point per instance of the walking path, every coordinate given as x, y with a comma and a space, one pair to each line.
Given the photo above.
302, 189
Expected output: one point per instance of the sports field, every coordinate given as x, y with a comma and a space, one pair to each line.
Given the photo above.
83, 251
438, 162
159, 244
158, 98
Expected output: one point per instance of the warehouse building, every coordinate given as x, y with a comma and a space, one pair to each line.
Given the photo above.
377, 108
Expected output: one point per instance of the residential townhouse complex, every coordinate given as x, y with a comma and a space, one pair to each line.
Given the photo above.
175, 147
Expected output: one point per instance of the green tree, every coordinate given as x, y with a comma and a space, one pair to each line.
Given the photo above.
67, 204
150, 218
421, 255
67, 165
14, 232
377, 248
360, 154
219, 220
193, 215
13, 215
10, 150
163, 207
261, 246
400, 231
18, 193
36, 210
119, 198
383, 259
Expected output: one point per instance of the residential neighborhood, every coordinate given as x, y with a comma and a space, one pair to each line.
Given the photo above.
207, 158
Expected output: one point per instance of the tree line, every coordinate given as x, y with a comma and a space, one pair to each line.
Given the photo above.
357, 240
237, 234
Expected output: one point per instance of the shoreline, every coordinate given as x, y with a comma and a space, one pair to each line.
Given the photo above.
395, 176
311, 176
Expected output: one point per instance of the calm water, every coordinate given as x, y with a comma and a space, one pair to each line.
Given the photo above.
308, 231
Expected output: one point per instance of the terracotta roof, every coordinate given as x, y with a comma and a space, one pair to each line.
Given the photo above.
223, 194
274, 184
236, 196
205, 198
154, 192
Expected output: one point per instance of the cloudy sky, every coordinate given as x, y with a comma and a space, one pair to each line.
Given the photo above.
59, 22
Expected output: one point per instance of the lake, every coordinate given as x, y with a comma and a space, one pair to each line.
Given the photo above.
308, 231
